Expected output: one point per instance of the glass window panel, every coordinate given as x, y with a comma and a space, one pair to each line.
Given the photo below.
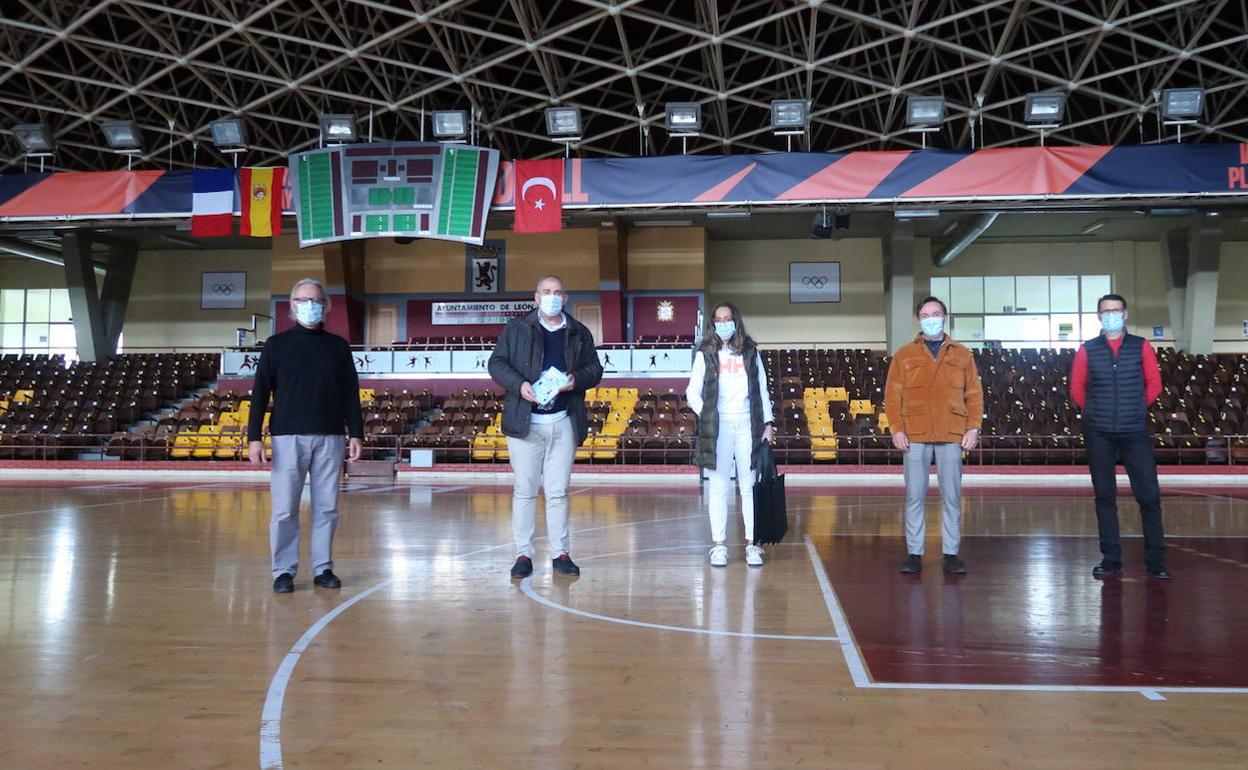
940, 288
11, 336
37, 304
968, 328
12, 305
999, 294
1003, 328
1031, 294
1091, 325
62, 336
1036, 330
1064, 327
966, 294
1093, 288
36, 337
59, 311
1063, 294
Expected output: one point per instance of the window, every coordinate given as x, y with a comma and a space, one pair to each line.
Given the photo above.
1024, 311
36, 321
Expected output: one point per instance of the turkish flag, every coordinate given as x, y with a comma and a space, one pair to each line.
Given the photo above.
539, 196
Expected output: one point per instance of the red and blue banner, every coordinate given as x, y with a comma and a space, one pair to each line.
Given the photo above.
1019, 173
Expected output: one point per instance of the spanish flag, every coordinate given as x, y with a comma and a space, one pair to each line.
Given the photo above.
261, 192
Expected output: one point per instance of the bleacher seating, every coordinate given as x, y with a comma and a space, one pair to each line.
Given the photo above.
52, 411
828, 406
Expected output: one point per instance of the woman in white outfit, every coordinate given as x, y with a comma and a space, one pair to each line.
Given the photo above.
728, 390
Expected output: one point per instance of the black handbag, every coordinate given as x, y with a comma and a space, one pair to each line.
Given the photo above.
771, 517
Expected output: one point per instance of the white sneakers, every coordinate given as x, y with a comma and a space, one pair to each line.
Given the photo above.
753, 556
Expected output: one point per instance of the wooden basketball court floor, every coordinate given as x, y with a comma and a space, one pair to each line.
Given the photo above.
138, 629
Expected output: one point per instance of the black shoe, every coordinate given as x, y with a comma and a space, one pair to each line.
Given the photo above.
522, 568
564, 566
954, 565
1107, 569
284, 584
327, 579
912, 564
1160, 573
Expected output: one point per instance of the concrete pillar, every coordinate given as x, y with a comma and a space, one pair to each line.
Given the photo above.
1201, 300
344, 282
84, 297
613, 279
1175, 262
899, 285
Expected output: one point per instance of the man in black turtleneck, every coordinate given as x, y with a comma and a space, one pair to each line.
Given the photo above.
311, 376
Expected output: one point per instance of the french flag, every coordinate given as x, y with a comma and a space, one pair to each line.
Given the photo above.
212, 205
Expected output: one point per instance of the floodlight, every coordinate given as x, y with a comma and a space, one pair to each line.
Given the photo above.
682, 117
563, 122
450, 124
790, 114
1048, 107
35, 139
925, 110
338, 129
1182, 103
229, 133
122, 135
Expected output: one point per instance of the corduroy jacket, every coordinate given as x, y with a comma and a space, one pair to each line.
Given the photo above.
933, 399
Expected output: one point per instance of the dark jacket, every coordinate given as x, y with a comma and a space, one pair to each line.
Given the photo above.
517, 359
1115, 388
312, 377
708, 419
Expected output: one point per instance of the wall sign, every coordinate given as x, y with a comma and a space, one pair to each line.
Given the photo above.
485, 267
223, 291
814, 282
473, 313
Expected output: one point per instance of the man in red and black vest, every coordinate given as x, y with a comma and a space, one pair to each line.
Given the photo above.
1114, 380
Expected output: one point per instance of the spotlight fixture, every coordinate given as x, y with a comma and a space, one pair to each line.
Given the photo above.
1048, 107
790, 115
229, 134
563, 123
35, 138
1186, 104
925, 110
338, 129
682, 118
450, 125
122, 135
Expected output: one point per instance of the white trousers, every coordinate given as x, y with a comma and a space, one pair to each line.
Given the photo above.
733, 449
543, 459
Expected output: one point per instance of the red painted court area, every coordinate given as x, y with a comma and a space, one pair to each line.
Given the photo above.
1030, 613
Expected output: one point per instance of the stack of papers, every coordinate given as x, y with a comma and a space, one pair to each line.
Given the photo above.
547, 386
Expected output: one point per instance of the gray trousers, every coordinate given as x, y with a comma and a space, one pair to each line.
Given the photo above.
542, 459
917, 470
294, 458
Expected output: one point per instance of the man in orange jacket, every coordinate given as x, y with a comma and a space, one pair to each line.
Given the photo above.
934, 404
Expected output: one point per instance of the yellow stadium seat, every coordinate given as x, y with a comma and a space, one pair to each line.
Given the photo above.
860, 406
837, 394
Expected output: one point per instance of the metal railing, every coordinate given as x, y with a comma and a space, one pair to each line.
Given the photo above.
490, 449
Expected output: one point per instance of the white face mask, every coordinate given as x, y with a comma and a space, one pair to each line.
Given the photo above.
309, 313
551, 304
932, 327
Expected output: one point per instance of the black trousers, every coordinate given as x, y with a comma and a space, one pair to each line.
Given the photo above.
1135, 450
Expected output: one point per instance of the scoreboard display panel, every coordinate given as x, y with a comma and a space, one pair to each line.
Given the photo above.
398, 189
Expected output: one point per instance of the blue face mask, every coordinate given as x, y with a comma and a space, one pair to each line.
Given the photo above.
932, 327
309, 313
552, 304
1112, 322
725, 329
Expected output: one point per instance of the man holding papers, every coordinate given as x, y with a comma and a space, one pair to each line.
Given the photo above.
545, 361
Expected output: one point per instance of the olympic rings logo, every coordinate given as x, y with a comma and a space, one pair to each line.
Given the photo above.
814, 281
225, 289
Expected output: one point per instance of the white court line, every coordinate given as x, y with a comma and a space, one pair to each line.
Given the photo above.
542, 600
271, 714
858, 670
